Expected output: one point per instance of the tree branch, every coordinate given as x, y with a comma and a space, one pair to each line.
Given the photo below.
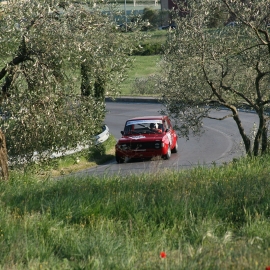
238, 93
8, 70
256, 30
222, 118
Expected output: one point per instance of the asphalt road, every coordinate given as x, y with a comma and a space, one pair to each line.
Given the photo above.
219, 143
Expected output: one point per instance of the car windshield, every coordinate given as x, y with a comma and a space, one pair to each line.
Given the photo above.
143, 126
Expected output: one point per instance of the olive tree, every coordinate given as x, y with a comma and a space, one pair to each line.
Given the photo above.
59, 60
207, 68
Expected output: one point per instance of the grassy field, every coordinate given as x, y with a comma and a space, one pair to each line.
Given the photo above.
201, 218
216, 218
66, 165
143, 67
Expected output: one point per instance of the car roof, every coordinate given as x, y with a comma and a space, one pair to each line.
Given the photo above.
155, 117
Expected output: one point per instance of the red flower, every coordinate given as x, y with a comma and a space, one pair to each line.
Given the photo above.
267, 268
163, 256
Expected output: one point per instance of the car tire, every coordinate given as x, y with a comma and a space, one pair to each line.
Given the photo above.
169, 153
175, 149
119, 159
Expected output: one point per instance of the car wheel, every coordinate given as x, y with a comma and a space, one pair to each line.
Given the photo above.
175, 149
119, 159
168, 155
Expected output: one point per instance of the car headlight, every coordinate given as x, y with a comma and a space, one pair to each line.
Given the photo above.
122, 146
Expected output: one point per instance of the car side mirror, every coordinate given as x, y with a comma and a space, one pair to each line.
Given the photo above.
122, 132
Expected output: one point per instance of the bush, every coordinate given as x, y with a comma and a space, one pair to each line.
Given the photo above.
149, 49
152, 16
146, 86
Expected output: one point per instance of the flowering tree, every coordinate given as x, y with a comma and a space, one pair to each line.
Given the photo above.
228, 66
58, 62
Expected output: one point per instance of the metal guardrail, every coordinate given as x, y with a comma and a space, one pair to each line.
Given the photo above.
98, 139
103, 136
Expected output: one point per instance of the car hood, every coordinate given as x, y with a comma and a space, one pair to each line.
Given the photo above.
141, 138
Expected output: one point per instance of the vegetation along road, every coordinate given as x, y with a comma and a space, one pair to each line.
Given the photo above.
58, 62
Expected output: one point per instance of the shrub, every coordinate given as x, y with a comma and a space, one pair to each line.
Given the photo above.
149, 49
146, 86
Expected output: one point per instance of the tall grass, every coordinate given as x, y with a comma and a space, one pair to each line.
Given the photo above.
214, 218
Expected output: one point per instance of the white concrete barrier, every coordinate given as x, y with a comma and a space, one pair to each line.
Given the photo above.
103, 136
98, 139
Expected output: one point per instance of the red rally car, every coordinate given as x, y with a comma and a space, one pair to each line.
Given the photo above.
147, 137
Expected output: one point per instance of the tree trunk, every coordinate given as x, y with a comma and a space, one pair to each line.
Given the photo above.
85, 82
3, 157
257, 142
261, 136
245, 138
99, 89
264, 140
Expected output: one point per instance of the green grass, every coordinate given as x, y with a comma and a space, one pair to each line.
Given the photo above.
143, 67
214, 218
158, 36
85, 159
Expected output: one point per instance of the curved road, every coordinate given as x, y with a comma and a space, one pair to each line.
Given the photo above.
219, 143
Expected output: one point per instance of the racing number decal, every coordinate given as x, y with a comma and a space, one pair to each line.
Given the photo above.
169, 137
168, 127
